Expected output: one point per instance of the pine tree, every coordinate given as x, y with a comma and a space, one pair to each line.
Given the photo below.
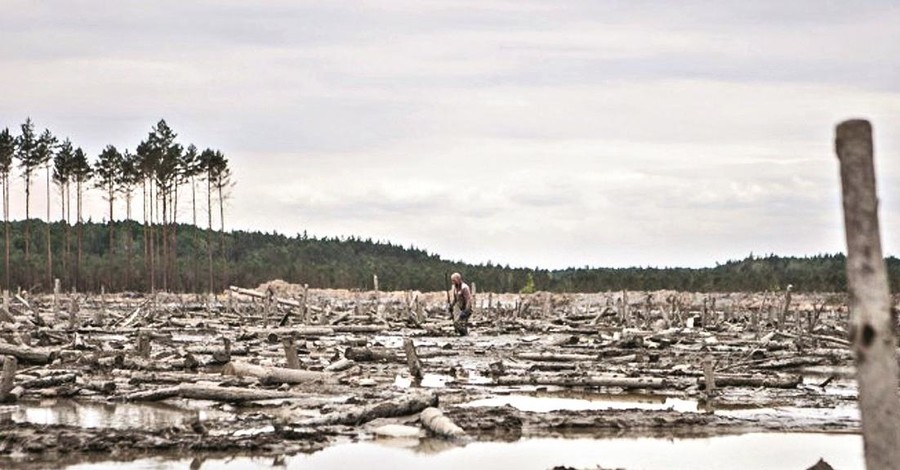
26, 144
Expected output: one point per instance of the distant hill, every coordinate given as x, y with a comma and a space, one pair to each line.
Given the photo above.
251, 258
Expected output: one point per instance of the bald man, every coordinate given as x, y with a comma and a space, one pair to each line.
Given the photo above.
462, 297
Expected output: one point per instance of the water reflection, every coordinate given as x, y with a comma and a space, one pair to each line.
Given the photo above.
758, 450
101, 415
543, 402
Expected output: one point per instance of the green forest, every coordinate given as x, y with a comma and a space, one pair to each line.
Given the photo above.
161, 253
251, 258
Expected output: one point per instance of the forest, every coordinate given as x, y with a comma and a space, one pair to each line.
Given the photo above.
159, 252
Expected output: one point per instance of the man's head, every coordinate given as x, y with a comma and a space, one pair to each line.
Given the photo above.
456, 279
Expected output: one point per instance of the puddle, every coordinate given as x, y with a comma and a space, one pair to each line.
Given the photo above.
547, 403
101, 415
439, 381
759, 450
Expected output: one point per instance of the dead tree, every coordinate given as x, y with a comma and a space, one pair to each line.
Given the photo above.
874, 343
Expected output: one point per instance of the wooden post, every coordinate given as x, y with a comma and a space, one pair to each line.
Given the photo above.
871, 329
268, 305
56, 298
304, 311
412, 360
375, 282
785, 308
73, 312
9, 374
290, 352
709, 376
143, 346
100, 315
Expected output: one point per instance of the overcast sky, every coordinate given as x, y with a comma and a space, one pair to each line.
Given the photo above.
535, 133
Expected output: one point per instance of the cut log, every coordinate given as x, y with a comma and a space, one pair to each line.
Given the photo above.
770, 381
434, 420
207, 392
51, 381
26, 354
356, 416
276, 374
340, 365
373, 355
551, 357
583, 381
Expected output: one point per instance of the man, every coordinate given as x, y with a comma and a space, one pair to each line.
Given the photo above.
462, 296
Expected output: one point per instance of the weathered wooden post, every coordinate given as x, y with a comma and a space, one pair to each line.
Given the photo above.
785, 308
5, 314
375, 282
290, 352
871, 328
56, 299
268, 305
412, 360
709, 375
9, 374
143, 346
100, 315
304, 310
73, 312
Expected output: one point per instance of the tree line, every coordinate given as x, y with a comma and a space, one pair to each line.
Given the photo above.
142, 256
252, 258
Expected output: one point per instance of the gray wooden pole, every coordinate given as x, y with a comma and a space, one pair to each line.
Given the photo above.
871, 330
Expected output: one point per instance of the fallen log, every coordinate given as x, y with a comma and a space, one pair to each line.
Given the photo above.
356, 416
434, 420
340, 365
207, 392
553, 357
276, 374
373, 355
583, 381
51, 381
26, 354
770, 381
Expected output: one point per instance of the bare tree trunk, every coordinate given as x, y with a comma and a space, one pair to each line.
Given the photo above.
222, 236
47, 232
78, 192
209, 231
6, 224
68, 257
165, 241
28, 225
152, 235
874, 343
195, 260
173, 245
127, 231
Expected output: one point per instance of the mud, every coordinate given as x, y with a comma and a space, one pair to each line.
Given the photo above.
126, 377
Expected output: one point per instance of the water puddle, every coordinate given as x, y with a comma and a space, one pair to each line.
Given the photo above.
101, 415
760, 450
543, 403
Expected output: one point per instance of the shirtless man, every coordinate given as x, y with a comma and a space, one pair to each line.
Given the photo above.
462, 296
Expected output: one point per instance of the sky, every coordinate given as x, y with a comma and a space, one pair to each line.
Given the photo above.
530, 133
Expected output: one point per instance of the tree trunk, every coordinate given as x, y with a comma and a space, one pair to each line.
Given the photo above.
78, 193
6, 224
27, 223
874, 342
209, 231
47, 232
222, 235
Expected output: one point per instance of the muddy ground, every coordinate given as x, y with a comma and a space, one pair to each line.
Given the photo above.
280, 370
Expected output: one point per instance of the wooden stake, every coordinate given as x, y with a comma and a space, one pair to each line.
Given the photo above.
874, 342
290, 353
9, 374
412, 360
304, 310
56, 298
143, 346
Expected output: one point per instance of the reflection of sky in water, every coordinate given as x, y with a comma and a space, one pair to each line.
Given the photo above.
547, 404
102, 415
759, 450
